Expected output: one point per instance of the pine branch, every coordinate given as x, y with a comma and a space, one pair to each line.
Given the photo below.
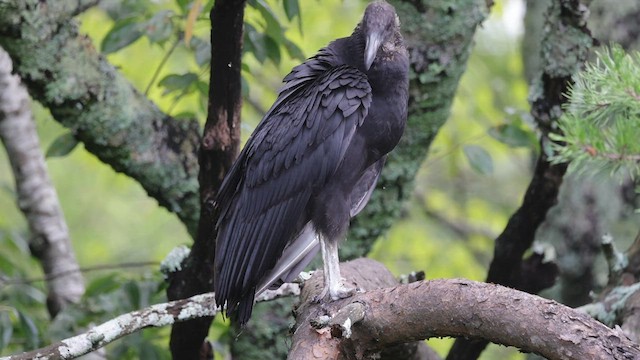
599, 130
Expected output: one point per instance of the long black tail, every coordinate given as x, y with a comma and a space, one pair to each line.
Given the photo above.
241, 312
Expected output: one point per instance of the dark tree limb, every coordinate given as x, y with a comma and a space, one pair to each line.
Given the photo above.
49, 240
86, 94
219, 146
452, 308
565, 45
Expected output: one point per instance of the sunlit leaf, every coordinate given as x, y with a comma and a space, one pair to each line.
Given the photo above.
175, 82
160, 27
196, 7
122, 34
62, 145
479, 159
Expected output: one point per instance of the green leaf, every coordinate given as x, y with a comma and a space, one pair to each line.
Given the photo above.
203, 87
273, 49
31, 332
122, 34
293, 50
62, 145
6, 329
479, 159
273, 28
128, 9
291, 8
132, 291
512, 135
160, 27
187, 115
175, 82
103, 285
254, 43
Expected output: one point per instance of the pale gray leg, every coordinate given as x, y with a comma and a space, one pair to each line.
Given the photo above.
332, 280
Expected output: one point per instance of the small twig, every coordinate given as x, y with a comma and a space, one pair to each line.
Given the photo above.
88, 269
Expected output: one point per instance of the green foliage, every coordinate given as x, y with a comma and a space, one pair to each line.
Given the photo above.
23, 316
479, 159
25, 324
62, 145
601, 125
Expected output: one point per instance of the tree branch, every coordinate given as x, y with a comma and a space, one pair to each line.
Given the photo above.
37, 198
392, 316
565, 47
452, 308
85, 93
158, 315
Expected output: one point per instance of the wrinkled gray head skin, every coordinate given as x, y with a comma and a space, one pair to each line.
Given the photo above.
380, 25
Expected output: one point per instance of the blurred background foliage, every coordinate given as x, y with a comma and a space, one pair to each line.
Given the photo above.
472, 181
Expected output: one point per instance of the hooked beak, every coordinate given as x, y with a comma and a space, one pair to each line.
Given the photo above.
374, 40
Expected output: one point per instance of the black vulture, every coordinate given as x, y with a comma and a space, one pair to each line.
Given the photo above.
312, 163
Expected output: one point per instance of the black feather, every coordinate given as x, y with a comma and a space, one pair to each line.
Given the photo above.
321, 144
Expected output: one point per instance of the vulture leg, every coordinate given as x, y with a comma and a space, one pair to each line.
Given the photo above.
332, 280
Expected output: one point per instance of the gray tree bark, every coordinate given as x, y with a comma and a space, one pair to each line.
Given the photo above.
49, 240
